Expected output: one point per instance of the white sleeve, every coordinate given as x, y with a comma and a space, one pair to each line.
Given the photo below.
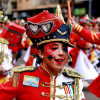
6, 63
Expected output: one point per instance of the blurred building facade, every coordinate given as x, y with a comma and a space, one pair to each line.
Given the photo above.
28, 8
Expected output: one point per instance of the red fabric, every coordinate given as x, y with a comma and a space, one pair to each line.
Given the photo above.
13, 33
88, 36
74, 53
83, 20
23, 45
26, 44
75, 39
77, 42
23, 92
94, 87
2, 77
83, 99
15, 49
44, 17
30, 61
33, 51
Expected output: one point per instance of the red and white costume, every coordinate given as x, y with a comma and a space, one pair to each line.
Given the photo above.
95, 39
5, 61
38, 84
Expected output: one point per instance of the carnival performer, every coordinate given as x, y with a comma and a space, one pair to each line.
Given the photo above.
22, 44
79, 42
95, 54
49, 81
6, 67
13, 33
94, 38
81, 31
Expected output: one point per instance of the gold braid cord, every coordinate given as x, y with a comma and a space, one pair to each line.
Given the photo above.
51, 95
78, 89
16, 78
2, 52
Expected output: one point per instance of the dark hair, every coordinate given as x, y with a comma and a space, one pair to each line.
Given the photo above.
41, 47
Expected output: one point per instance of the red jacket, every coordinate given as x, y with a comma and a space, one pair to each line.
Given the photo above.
38, 84
79, 43
91, 37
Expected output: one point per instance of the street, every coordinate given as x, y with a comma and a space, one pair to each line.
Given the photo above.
88, 95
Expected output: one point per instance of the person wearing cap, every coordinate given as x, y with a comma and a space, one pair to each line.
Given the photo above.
50, 80
95, 24
94, 38
87, 34
79, 42
86, 23
95, 55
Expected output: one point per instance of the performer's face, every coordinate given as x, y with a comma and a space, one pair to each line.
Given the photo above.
54, 56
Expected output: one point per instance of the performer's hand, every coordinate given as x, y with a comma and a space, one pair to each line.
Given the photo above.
73, 23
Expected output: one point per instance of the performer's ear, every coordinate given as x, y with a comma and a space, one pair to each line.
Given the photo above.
40, 53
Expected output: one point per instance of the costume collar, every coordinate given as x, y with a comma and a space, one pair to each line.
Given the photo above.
44, 70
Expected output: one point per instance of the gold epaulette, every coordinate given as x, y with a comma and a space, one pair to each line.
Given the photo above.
23, 68
2, 40
73, 73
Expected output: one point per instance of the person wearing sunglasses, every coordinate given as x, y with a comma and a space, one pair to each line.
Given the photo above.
51, 80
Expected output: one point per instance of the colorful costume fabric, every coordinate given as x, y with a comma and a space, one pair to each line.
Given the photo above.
91, 37
79, 43
29, 83
95, 39
94, 87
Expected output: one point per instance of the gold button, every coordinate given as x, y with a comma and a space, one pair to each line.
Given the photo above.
43, 84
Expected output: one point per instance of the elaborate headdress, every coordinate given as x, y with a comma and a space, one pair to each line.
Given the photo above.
46, 27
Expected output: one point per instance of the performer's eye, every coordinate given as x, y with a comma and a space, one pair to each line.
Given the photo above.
54, 48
